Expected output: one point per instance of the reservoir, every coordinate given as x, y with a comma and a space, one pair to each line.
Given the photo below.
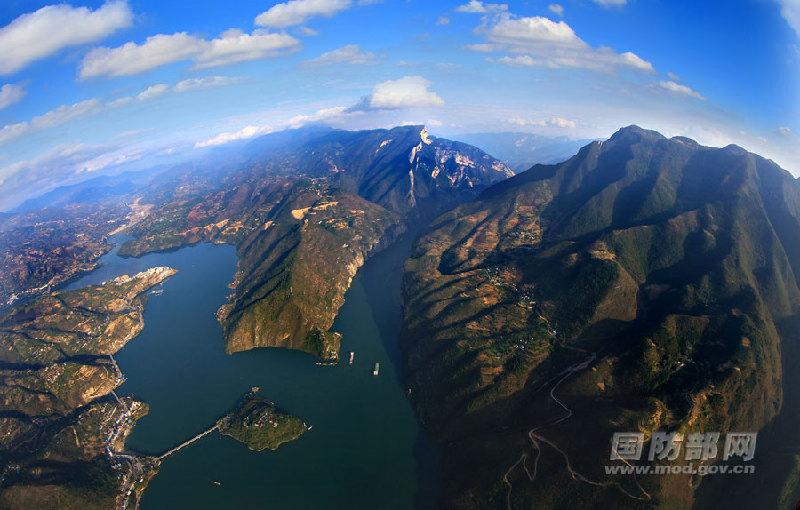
366, 448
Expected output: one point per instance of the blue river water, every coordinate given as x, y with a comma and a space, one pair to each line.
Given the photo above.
366, 448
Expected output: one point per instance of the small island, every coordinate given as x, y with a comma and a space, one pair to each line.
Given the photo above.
260, 425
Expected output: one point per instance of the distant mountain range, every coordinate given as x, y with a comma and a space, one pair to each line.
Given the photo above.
523, 150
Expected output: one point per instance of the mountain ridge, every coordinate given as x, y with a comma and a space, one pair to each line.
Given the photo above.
669, 262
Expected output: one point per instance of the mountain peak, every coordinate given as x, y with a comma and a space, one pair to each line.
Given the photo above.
636, 133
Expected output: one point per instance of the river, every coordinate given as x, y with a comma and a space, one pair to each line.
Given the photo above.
366, 448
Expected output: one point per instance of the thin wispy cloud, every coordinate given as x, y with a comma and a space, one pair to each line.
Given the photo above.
790, 10
230, 47
296, 12
253, 131
478, 7
611, 3
206, 82
677, 88
153, 91
351, 54
11, 94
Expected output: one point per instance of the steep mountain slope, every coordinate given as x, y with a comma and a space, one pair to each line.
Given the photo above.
304, 214
634, 287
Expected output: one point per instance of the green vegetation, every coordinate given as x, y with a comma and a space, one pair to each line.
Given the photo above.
260, 425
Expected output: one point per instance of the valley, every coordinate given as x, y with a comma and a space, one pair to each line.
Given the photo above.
523, 318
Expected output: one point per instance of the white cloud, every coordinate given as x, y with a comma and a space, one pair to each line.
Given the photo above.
553, 122
242, 134
350, 54
478, 7
442, 21
207, 82
677, 88
556, 9
309, 32
230, 47
543, 42
790, 10
42, 33
324, 114
295, 12
132, 58
253, 130
152, 91
53, 118
519, 60
61, 165
406, 92
10, 94
66, 113
611, 3
235, 46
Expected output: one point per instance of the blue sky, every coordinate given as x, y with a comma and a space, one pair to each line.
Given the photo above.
89, 87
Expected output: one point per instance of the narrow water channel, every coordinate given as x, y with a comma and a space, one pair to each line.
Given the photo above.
366, 449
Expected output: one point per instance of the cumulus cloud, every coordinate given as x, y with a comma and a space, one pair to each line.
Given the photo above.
350, 54
542, 42
677, 88
42, 33
230, 47
476, 6
207, 82
556, 9
153, 91
406, 92
10, 94
296, 12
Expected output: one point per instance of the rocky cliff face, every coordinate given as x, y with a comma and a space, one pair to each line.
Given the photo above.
638, 284
62, 431
305, 215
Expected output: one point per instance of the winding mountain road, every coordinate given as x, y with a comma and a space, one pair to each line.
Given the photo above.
536, 439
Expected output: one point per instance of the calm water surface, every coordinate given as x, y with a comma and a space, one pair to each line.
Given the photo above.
366, 449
